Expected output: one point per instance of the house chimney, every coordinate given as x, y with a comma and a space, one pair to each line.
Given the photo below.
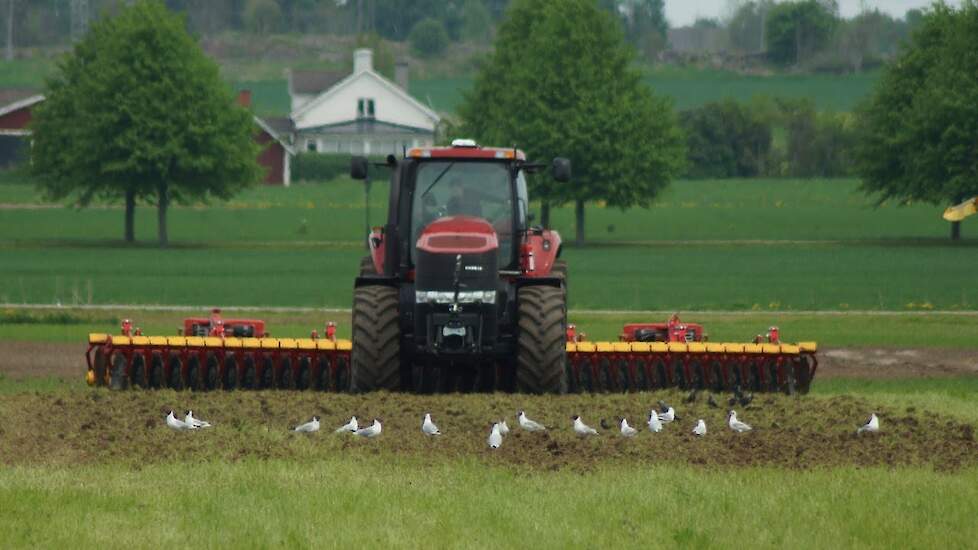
401, 74
363, 60
244, 98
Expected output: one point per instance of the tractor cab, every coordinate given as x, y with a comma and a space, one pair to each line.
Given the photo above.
455, 267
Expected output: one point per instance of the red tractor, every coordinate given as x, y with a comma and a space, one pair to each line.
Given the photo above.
460, 291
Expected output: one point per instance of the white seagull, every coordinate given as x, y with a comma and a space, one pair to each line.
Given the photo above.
195, 422
175, 423
372, 430
428, 427
668, 416
529, 425
308, 427
495, 438
581, 428
503, 428
655, 426
627, 430
872, 425
700, 428
737, 425
350, 426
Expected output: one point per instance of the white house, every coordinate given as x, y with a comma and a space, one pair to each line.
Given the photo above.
361, 114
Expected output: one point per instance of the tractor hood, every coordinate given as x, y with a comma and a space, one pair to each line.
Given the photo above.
458, 235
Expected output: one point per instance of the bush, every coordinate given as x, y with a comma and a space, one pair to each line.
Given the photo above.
428, 37
322, 166
820, 145
726, 140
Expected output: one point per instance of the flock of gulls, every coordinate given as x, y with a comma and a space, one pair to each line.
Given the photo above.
656, 421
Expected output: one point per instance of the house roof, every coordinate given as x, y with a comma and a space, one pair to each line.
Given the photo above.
313, 82
369, 73
18, 99
365, 125
269, 126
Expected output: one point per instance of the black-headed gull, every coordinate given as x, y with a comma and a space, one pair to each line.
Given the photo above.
175, 423
495, 438
352, 426
308, 427
195, 422
737, 425
529, 425
655, 426
428, 427
872, 425
372, 430
700, 428
582, 429
627, 430
668, 416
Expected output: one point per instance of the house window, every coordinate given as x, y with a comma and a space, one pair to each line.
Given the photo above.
365, 108
311, 145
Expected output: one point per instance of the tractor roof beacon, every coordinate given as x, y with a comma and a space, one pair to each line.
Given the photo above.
459, 291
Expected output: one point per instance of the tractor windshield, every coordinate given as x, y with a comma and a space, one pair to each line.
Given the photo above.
465, 188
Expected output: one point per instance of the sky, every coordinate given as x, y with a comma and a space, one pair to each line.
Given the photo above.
684, 12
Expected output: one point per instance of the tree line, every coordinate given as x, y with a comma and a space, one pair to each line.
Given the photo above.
137, 112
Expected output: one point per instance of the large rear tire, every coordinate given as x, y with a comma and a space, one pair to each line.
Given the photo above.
541, 349
376, 355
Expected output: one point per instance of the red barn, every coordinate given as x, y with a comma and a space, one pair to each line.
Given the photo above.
15, 115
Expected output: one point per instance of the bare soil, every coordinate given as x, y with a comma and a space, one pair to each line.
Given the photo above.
128, 428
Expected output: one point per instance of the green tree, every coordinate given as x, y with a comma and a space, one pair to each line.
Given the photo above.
796, 30
476, 22
726, 140
560, 82
745, 29
428, 38
262, 16
137, 110
918, 131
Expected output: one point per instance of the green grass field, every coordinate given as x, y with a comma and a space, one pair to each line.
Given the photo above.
377, 503
770, 245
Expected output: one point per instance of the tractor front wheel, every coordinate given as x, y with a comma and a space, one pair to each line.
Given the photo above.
376, 355
541, 348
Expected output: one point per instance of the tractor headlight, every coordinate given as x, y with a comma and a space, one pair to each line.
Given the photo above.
464, 297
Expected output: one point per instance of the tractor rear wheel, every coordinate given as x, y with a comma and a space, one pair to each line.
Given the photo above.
541, 348
376, 355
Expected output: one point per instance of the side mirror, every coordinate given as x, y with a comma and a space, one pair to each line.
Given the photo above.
561, 169
358, 168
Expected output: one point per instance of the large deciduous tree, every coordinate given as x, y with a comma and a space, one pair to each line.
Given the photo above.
560, 83
796, 30
918, 131
137, 110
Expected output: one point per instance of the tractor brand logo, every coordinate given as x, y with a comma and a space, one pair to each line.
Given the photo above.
473, 268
